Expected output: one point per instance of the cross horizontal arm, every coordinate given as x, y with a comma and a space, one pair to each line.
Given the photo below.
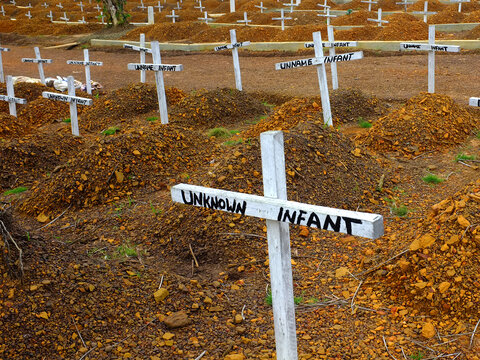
67, 98
428, 47
4, 49
474, 101
155, 67
137, 48
328, 44
318, 61
13, 99
80, 62
338, 220
231, 46
41, 61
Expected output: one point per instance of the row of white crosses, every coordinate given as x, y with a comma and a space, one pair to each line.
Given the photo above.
319, 61
279, 214
431, 47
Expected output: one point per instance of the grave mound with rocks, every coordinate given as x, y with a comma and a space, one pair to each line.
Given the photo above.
10, 126
23, 90
426, 122
112, 167
438, 276
213, 108
125, 103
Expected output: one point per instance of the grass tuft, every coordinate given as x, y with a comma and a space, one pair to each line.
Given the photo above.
363, 123
463, 157
152, 118
17, 190
219, 132
110, 131
432, 179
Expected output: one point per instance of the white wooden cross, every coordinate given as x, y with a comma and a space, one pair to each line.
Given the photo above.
29, 6
425, 12
370, 2
200, 7
282, 18
431, 47
332, 44
245, 19
324, 6
98, 8
2, 77
150, 16
13, 2
178, 6
2, 11
102, 17
59, 5
87, 63
405, 3
72, 100
45, 5
474, 101
459, 3
159, 7
379, 20
28, 15
142, 7
64, 18
173, 16
279, 214
81, 6
82, 20
328, 16
50, 16
291, 4
158, 68
234, 45
143, 50
205, 18
319, 61
10, 97
261, 7
232, 6
38, 60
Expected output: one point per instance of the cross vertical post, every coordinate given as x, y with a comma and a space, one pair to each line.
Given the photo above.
236, 63
73, 107
322, 80
232, 6
2, 77
151, 16
331, 52
10, 97
87, 63
162, 100
143, 73
278, 234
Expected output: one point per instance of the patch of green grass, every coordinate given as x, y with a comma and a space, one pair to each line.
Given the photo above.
152, 118
155, 211
363, 123
312, 300
477, 135
221, 132
269, 299
67, 120
463, 157
297, 300
267, 104
110, 131
418, 356
432, 179
17, 190
126, 250
399, 210
232, 142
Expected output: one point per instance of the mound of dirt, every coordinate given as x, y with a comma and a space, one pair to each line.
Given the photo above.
214, 108
31, 158
426, 122
433, 5
28, 91
10, 126
347, 105
125, 103
439, 275
447, 16
355, 18
403, 27
114, 166
473, 17
299, 33
43, 111
168, 31
41, 26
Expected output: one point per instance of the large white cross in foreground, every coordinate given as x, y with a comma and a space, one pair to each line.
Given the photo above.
10, 97
158, 68
86, 62
142, 49
319, 61
72, 100
431, 47
279, 213
236, 64
2, 77
40, 63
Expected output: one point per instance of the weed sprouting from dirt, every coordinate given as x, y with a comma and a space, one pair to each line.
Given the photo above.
432, 179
